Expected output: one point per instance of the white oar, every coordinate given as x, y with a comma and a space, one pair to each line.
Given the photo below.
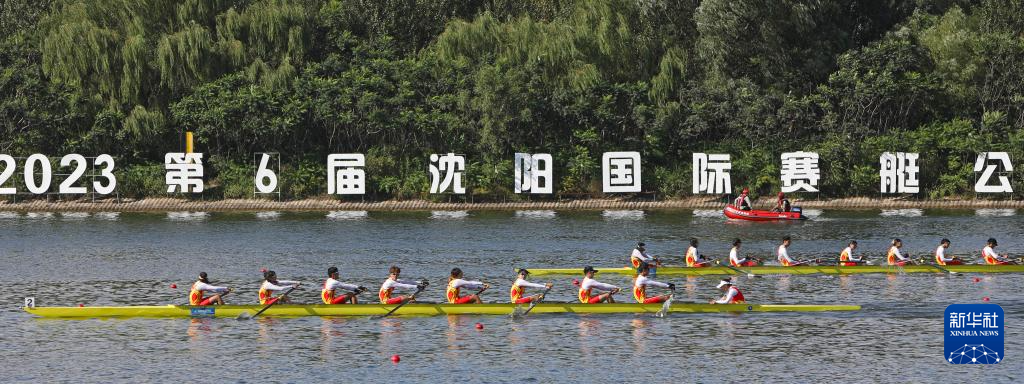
749, 274
665, 307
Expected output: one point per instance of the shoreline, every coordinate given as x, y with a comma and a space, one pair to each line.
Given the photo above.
324, 204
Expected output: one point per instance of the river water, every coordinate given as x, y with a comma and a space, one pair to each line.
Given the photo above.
133, 258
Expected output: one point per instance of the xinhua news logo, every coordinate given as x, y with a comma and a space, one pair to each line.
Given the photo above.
974, 334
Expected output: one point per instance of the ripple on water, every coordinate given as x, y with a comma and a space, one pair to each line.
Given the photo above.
623, 215
347, 215
268, 215
707, 213
109, 216
9, 215
911, 212
995, 212
448, 215
536, 214
74, 216
39, 215
187, 216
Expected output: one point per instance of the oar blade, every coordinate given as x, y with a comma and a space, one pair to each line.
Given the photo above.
244, 316
665, 306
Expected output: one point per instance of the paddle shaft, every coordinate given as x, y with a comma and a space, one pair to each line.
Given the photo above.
278, 299
411, 298
534, 303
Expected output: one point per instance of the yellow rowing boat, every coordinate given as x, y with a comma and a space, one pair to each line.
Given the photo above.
798, 270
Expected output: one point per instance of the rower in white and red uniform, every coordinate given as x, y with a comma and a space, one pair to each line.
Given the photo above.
519, 288
455, 285
732, 294
990, 255
587, 287
643, 281
895, 257
693, 257
734, 256
331, 285
783, 255
940, 255
846, 257
640, 256
271, 284
392, 283
195, 294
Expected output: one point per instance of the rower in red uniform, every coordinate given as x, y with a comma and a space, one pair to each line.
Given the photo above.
392, 283
894, 257
332, 284
732, 294
940, 255
846, 258
640, 256
734, 256
271, 284
693, 257
990, 255
588, 285
195, 294
783, 254
455, 285
642, 282
518, 288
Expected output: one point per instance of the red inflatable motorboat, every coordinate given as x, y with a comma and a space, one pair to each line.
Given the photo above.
753, 215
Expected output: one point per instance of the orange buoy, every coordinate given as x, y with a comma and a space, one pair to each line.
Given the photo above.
395, 359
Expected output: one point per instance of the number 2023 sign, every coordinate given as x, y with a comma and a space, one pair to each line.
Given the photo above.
38, 174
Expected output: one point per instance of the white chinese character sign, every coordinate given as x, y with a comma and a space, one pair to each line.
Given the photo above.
345, 174
988, 163
453, 167
711, 173
898, 172
533, 173
620, 172
184, 172
800, 172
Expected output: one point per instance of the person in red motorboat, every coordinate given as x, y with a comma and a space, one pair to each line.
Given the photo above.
743, 201
782, 204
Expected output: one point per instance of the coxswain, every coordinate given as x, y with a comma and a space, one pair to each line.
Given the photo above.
783, 255
640, 256
990, 255
332, 284
734, 256
846, 258
782, 204
693, 257
743, 202
393, 283
643, 281
732, 294
518, 288
940, 255
455, 285
271, 284
894, 257
195, 294
588, 286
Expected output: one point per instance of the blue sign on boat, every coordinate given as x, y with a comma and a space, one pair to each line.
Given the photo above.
203, 312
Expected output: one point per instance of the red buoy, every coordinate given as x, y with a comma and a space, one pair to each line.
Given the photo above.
985, 299
174, 286
395, 359
479, 326
976, 279
263, 270
81, 305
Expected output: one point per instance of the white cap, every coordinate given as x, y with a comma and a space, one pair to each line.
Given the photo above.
726, 281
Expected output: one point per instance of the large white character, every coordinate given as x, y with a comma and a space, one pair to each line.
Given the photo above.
800, 171
184, 172
533, 173
898, 172
453, 166
620, 172
711, 173
265, 178
985, 161
345, 175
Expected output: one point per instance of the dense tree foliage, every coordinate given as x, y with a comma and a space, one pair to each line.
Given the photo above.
400, 79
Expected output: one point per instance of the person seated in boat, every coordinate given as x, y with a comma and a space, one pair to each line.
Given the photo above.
643, 281
455, 285
331, 285
782, 204
783, 254
271, 284
940, 255
640, 256
200, 287
392, 283
693, 257
895, 257
847, 258
587, 287
743, 201
732, 294
519, 288
991, 257
734, 256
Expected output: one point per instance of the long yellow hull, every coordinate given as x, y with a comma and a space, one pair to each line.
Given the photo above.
799, 270
413, 309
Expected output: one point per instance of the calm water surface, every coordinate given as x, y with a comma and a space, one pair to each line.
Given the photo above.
129, 258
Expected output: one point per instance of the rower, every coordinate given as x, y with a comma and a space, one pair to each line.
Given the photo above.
743, 202
392, 283
642, 282
195, 294
640, 256
693, 257
455, 285
783, 255
589, 284
846, 258
940, 255
332, 284
271, 284
894, 257
732, 294
518, 290
734, 256
990, 255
